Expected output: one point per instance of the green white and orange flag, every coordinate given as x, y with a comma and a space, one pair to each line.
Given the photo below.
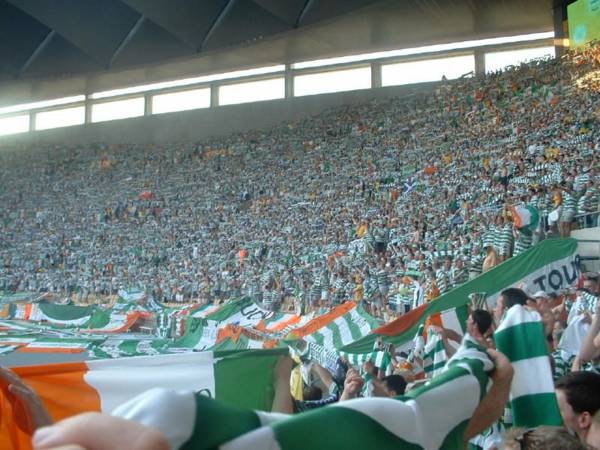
246, 313
417, 421
551, 265
525, 216
345, 329
241, 379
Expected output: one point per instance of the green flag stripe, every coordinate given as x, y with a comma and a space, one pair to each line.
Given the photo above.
336, 333
318, 338
219, 423
463, 314
238, 376
360, 431
536, 409
354, 329
434, 367
507, 338
65, 312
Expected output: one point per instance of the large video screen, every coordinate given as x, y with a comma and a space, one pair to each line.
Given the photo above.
584, 22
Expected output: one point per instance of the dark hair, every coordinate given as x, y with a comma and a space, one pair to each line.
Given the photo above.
312, 393
395, 383
482, 319
581, 390
544, 438
514, 296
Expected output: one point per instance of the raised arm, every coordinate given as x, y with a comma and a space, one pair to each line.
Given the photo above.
282, 399
590, 348
492, 406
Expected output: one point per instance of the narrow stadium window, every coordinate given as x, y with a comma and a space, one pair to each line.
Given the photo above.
14, 124
500, 60
424, 49
252, 91
188, 81
42, 104
60, 118
120, 109
427, 70
332, 81
181, 101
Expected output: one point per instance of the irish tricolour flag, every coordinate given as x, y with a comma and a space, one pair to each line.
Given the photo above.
433, 416
243, 379
525, 216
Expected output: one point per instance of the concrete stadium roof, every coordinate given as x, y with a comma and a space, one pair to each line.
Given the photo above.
98, 41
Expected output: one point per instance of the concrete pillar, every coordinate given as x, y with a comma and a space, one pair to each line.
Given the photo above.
88, 110
479, 61
289, 81
214, 95
147, 104
375, 75
561, 28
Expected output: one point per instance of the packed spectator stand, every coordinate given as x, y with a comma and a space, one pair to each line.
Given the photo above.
392, 204
342, 205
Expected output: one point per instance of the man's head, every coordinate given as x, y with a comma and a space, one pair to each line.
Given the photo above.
394, 385
312, 393
541, 438
591, 282
578, 395
479, 323
509, 298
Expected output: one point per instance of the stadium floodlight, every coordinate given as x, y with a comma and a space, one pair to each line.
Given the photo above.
424, 49
188, 81
42, 104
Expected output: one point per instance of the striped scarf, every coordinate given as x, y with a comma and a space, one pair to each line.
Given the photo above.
520, 337
381, 359
434, 355
414, 421
562, 364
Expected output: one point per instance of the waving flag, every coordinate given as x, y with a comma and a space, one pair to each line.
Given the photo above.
525, 216
56, 314
550, 266
339, 331
72, 388
412, 422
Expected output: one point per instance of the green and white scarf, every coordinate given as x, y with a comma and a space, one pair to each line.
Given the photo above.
419, 420
520, 337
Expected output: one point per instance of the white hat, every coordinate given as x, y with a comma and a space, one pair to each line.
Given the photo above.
540, 294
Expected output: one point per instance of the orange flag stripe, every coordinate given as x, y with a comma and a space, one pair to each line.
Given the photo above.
323, 320
57, 385
402, 323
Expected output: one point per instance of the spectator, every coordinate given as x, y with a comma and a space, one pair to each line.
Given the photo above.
578, 400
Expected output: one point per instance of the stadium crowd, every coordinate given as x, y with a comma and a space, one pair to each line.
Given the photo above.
146, 421
393, 202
